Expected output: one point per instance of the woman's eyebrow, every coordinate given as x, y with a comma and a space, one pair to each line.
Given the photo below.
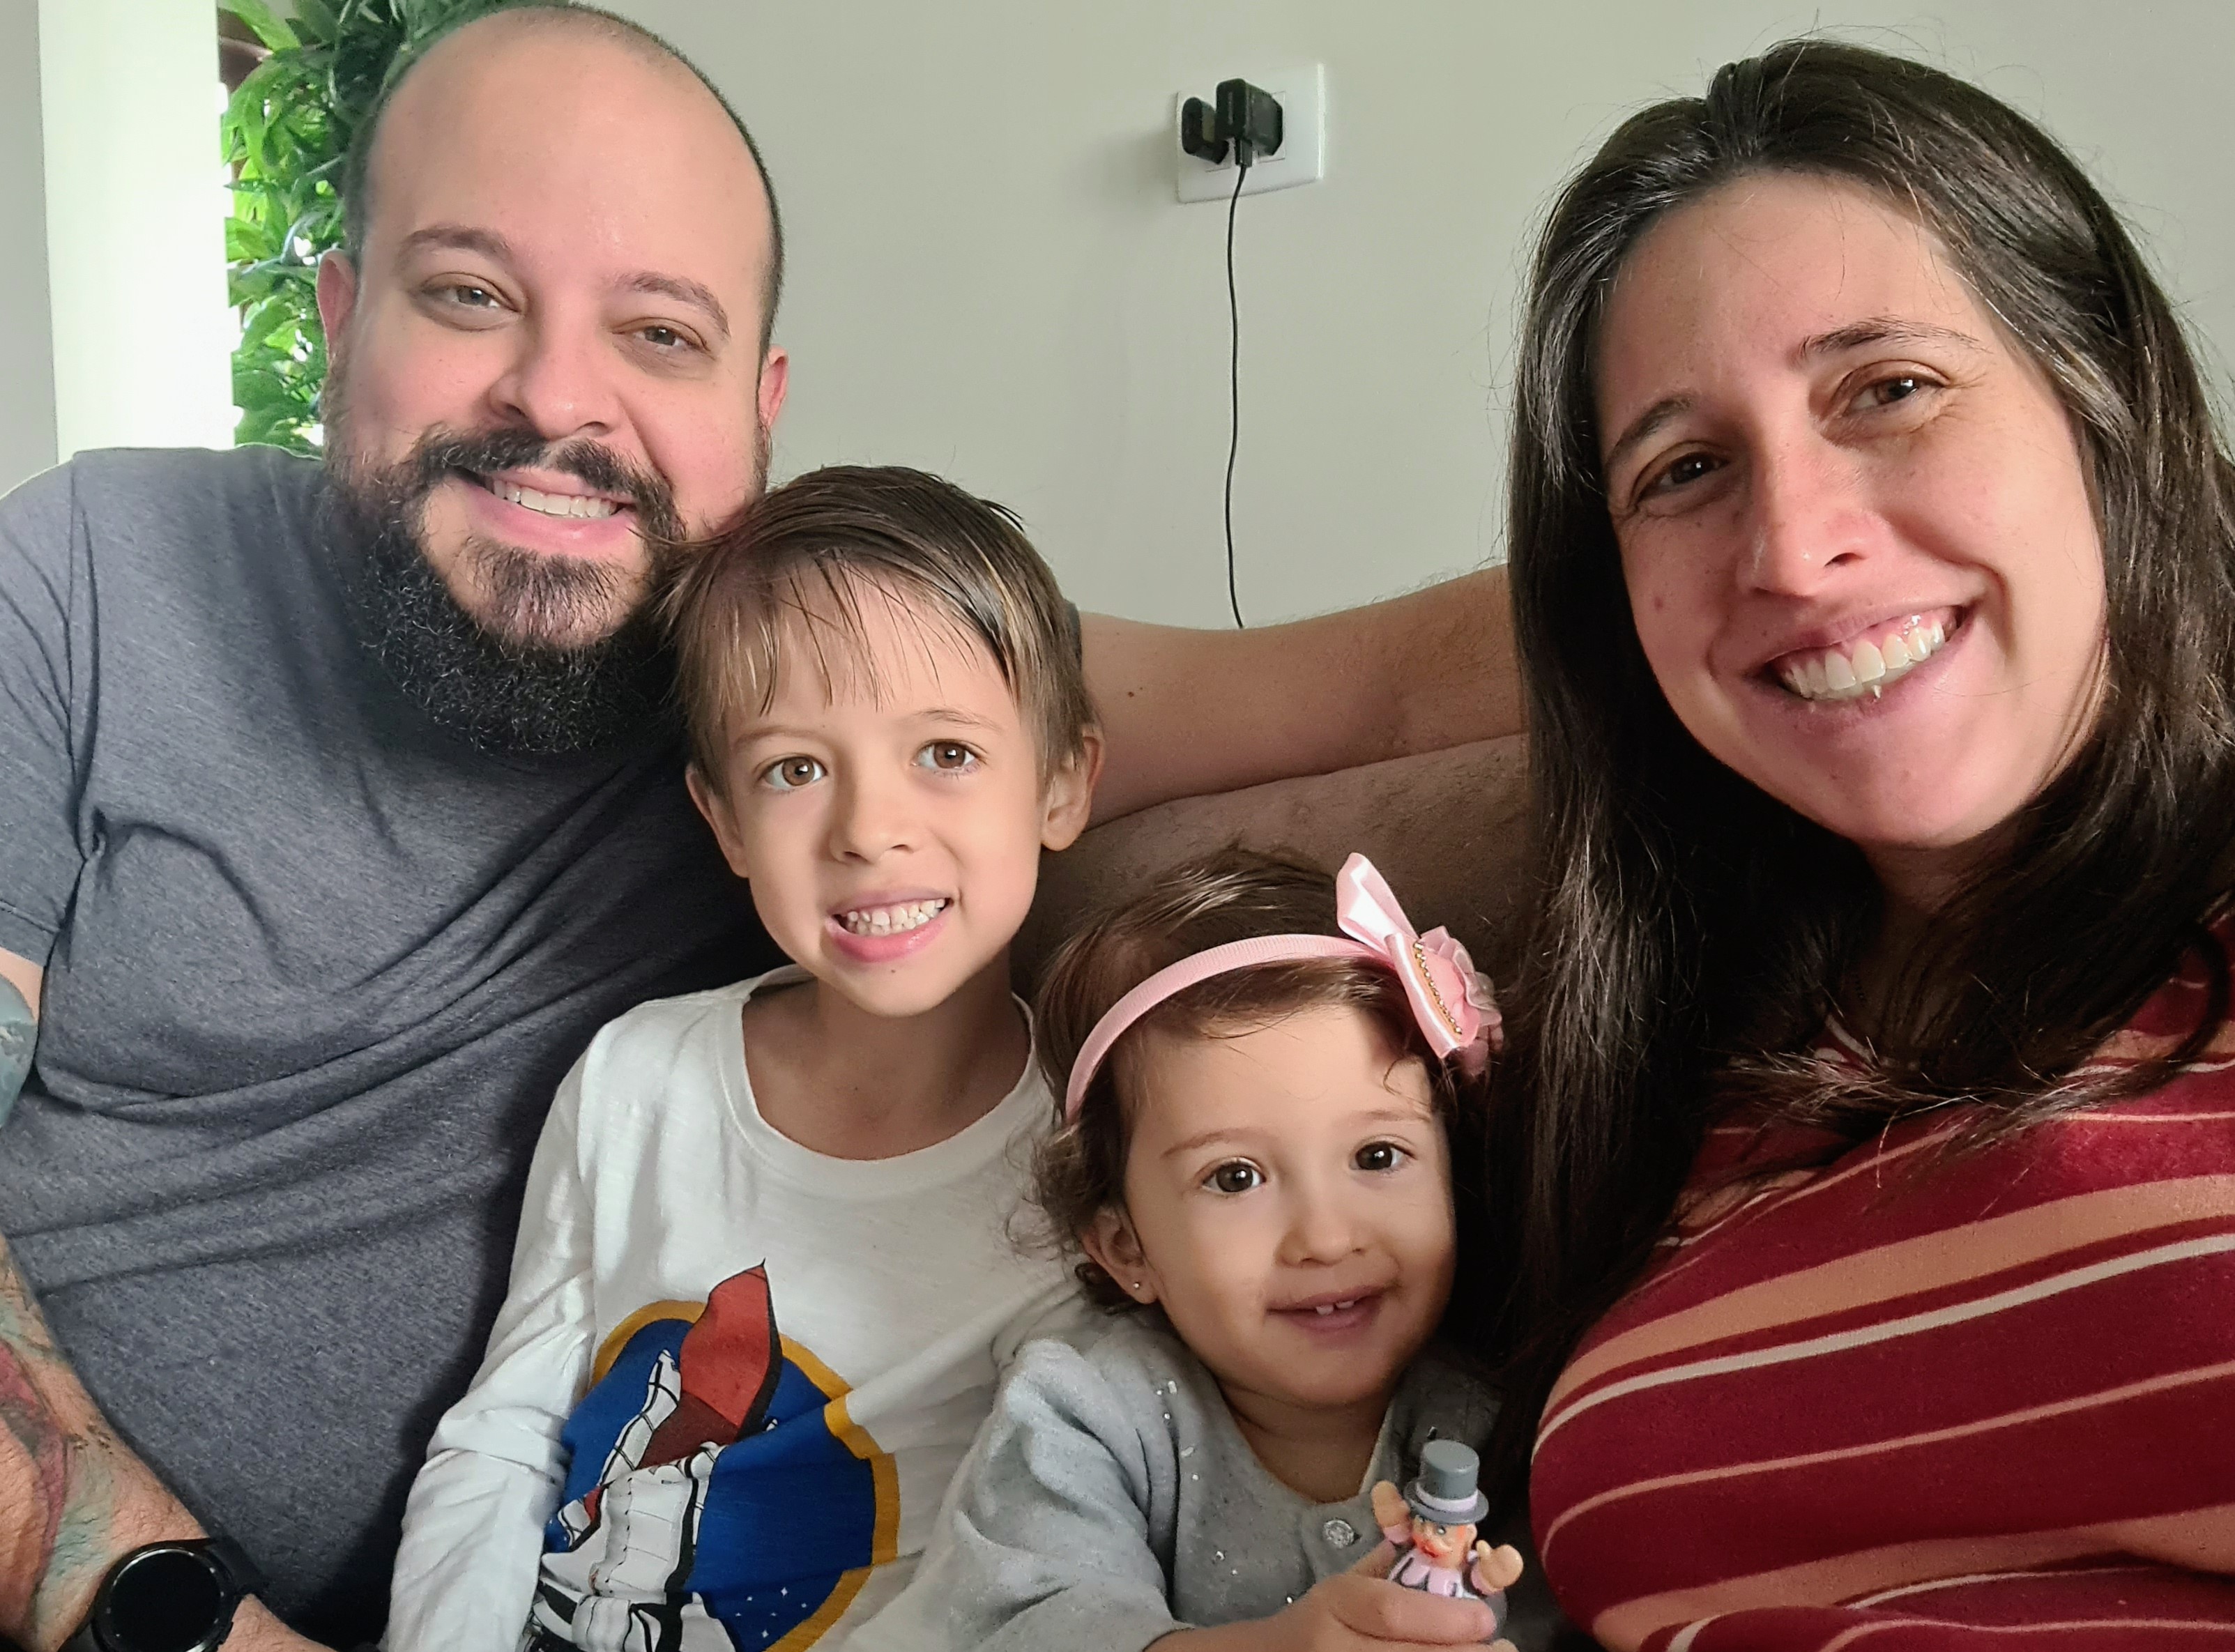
1641, 428
1881, 330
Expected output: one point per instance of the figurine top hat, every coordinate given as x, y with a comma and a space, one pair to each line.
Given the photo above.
1448, 1488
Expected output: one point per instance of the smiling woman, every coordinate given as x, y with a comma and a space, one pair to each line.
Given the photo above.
1807, 489
1874, 567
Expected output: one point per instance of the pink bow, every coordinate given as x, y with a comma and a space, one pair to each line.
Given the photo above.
1451, 998
1451, 1001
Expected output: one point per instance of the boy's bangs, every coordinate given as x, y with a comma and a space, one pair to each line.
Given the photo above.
813, 613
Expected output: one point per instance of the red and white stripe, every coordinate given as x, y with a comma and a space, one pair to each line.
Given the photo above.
1909, 1402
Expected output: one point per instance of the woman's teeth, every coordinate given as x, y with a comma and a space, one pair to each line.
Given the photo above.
1867, 668
1325, 1308
893, 920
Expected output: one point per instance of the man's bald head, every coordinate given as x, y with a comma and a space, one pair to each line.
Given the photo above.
592, 22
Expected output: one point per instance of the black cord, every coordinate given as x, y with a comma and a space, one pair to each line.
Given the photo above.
1234, 374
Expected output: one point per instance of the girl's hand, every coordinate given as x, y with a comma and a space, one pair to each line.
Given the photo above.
1357, 1611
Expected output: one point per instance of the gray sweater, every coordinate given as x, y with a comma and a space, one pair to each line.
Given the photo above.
1110, 1500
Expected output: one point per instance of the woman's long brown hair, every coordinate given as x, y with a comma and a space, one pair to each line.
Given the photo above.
1692, 931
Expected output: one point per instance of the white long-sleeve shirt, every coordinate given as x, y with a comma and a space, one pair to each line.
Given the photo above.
733, 1377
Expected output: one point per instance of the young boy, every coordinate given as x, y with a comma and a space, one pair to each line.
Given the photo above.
764, 1286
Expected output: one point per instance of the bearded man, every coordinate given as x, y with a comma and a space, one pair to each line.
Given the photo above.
340, 805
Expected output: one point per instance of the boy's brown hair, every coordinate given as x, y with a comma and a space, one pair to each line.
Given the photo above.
810, 552
1233, 895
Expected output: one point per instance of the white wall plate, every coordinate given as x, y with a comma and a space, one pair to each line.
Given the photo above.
1301, 158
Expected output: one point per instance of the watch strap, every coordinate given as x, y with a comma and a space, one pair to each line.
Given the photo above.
238, 1576
240, 1573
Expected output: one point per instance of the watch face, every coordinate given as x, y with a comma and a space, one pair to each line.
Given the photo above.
163, 1600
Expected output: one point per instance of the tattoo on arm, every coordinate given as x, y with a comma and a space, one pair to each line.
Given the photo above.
64, 1477
19, 1031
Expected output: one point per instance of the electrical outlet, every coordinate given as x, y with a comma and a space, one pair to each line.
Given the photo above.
1301, 158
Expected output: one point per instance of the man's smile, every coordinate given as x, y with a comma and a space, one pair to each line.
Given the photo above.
561, 497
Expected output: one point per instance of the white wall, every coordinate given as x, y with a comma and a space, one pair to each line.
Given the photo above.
27, 368
990, 276
134, 223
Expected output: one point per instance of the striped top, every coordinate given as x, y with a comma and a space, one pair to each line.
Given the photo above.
1903, 1405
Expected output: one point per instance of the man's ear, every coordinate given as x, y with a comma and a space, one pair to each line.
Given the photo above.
1068, 800
337, 300
776, 380
716, 807
1116, 1250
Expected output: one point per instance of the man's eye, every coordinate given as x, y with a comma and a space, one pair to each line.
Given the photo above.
1236, 1175
789, 774
662, 337
949, 756
470, 297
1379, 1156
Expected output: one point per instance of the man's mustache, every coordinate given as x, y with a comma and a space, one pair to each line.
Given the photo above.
485, 452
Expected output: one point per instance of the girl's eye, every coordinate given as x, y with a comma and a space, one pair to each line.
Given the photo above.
1379, 1156
1236, 1175
789, 774
951, 756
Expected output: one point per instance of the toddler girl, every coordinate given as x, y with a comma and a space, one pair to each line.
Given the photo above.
1261, 1069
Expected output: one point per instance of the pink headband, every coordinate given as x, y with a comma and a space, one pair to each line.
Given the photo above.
1449, 1000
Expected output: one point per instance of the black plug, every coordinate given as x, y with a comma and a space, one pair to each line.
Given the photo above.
1245, 121
1199, 132
1250, 117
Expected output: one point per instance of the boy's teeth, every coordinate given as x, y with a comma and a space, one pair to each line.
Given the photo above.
893, 920
1869, 667
554, 504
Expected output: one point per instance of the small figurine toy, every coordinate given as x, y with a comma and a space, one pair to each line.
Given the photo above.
1432, 1525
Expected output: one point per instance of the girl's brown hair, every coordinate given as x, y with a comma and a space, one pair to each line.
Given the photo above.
1693, 932
1234, 894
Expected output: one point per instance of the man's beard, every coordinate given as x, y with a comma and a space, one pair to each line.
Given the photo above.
566, 656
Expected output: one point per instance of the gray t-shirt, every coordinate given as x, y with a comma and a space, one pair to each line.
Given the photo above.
314, 970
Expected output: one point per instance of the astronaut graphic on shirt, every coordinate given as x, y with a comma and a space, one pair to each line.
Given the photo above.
720, 1498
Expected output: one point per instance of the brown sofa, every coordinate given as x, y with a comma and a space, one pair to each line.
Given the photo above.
1446, 829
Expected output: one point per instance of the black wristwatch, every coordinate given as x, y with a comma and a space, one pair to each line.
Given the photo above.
168, 1597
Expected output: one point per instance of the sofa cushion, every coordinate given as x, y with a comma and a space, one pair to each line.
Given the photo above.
1448, 829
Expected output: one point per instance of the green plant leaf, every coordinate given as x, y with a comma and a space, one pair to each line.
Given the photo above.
285, 134
266, 24
317, 19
